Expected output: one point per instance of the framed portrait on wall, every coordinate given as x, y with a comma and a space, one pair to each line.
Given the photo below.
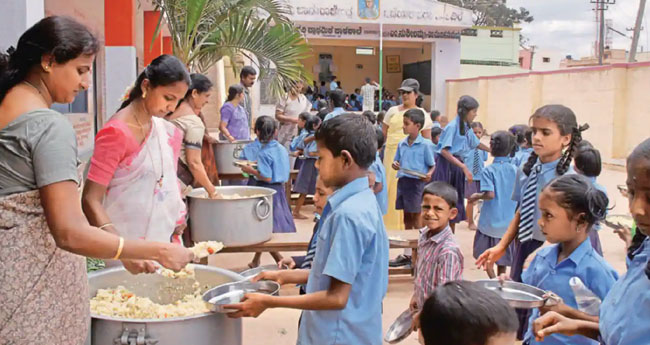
393, 64
368, 9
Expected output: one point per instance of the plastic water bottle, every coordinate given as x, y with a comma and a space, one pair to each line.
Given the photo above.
587, 301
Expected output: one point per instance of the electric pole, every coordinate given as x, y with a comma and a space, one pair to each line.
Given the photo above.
601, 7
637, 31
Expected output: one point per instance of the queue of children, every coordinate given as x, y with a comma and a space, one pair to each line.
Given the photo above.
532, 192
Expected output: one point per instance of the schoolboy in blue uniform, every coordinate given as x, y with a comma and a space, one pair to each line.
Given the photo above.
349, 274
377, 168
416, 154
497, 183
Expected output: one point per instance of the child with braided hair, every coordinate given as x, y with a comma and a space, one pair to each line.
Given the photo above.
555, 135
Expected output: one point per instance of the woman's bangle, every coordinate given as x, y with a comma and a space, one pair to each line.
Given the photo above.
119, 249
105, 226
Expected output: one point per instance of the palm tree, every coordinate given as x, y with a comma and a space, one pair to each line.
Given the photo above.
204, 31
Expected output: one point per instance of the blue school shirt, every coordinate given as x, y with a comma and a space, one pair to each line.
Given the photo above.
469, 161
251, 151
417, 157
309, 148
521, 156
458, 145
546, 175
625, 312
335, 112
297, 143
378, 169
273, 162
352, 248
545, 273
436, 124
496, 214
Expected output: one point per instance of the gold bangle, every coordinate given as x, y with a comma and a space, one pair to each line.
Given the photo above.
119, 249
105, 226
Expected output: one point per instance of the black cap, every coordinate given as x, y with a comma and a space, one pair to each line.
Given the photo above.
410, 85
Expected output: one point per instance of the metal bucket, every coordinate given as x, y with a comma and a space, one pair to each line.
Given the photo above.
225, 154
201, 329
234, 222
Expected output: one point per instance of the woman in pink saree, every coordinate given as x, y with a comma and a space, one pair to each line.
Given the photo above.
132, 184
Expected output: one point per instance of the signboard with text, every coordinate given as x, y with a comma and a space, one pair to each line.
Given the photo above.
399, 12
371, 32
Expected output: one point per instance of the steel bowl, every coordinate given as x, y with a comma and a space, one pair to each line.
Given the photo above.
401, 328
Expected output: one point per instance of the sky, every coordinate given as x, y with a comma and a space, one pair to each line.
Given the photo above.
569, 26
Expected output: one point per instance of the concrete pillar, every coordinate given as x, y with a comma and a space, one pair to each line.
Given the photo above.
153, 49
16, 17
121, 59
445, 57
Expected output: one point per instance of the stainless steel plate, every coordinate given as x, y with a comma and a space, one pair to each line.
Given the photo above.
401, 328
518, 295
413, 172
257, 270
233, 293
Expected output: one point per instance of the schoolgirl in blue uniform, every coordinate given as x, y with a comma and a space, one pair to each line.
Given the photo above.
456, 140
497, 182
625, 312
272, 172
587, 162
296, 145
570, 207
555, 135
308, 174
250, 153
524, 136
475, 161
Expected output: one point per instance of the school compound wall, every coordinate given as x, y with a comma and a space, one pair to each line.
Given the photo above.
612, 99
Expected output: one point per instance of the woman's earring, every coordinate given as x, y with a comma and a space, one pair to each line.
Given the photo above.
144, 94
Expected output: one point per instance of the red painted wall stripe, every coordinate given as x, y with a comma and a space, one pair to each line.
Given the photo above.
151, 51
119, 22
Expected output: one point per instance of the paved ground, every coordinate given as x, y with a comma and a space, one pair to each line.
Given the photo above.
279, 326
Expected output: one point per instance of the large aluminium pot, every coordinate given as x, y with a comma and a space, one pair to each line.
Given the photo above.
225, 154
243, 221
201, 329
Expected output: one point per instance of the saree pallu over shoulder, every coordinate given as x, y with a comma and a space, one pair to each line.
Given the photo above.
44, 289
138, 205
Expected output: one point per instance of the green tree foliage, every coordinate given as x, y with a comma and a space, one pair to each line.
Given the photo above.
493, 12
